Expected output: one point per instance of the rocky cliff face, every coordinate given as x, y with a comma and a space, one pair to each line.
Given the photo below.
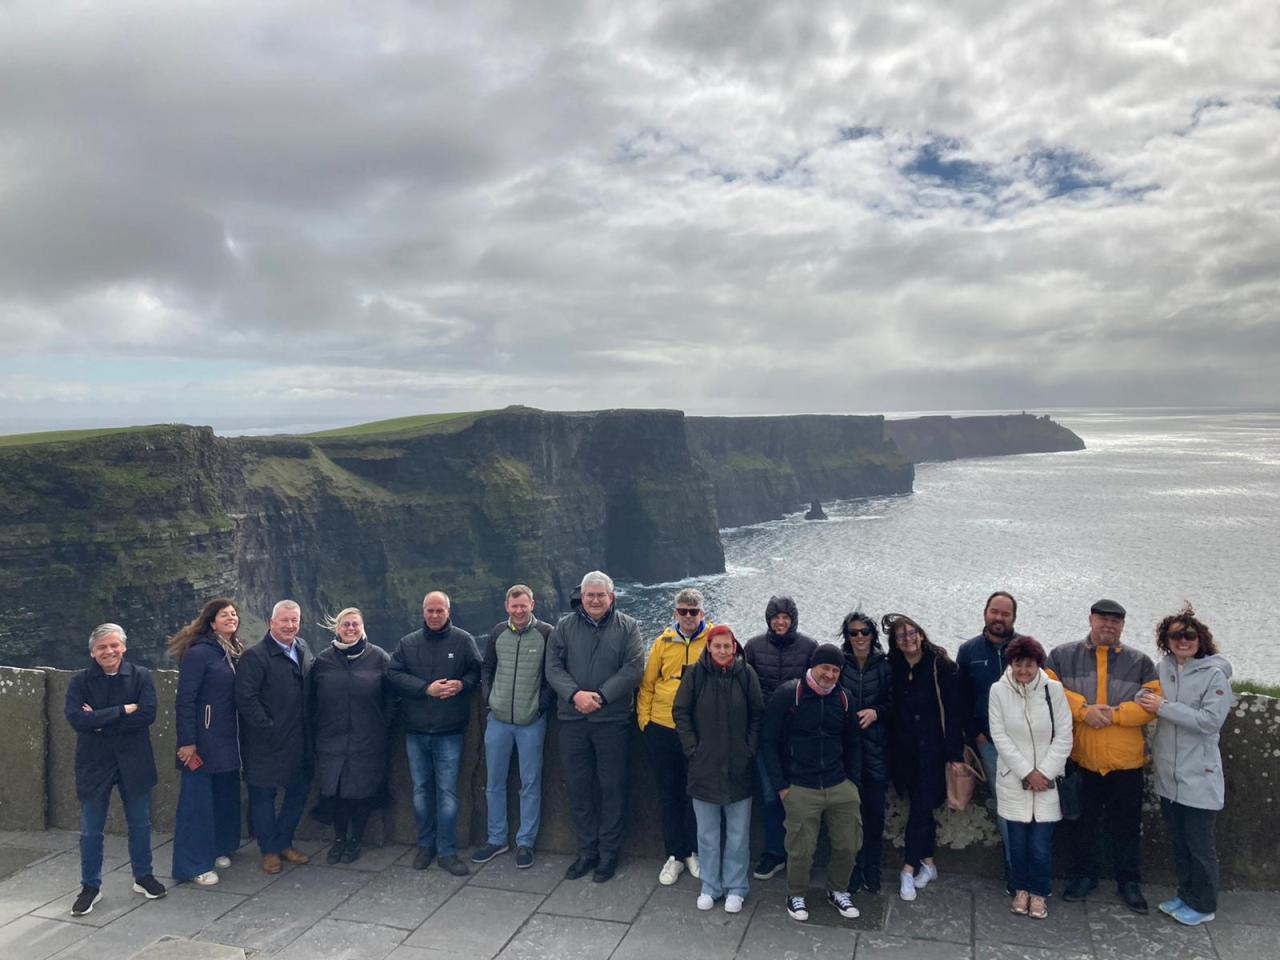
954, 438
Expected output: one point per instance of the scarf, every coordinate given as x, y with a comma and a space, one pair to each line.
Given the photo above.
351, 650
816, 687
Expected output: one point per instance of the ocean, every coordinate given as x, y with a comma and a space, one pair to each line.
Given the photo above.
1164, 506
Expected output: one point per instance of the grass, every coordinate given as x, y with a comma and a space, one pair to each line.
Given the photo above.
70, 436
1255, 686
402, 426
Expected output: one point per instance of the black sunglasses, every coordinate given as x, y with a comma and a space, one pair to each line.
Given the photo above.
687, 611
859, 631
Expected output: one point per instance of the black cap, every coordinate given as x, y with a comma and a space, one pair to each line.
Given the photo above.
827, 653
1108, 608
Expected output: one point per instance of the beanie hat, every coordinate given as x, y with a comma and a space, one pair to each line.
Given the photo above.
827, 653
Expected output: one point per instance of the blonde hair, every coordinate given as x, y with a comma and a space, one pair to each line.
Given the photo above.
331, 623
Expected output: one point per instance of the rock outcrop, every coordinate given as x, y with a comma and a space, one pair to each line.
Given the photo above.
922, 439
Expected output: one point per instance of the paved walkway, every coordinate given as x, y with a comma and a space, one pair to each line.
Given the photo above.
380, 908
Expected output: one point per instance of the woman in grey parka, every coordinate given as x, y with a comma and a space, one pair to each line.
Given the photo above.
1193, 704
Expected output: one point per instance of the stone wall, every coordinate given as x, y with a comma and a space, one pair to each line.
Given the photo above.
37, 788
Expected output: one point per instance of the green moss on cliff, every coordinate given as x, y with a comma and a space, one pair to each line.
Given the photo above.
404, 426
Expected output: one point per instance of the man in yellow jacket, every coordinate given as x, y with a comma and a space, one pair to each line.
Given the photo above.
1102, 679
676, 650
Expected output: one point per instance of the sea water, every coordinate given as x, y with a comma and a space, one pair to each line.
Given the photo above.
1164, 506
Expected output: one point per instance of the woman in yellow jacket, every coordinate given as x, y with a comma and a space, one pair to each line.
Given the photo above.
677, 649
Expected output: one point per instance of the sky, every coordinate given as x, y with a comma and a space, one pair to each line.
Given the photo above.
304, 214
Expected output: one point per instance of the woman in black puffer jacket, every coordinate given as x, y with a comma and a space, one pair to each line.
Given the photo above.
868, 679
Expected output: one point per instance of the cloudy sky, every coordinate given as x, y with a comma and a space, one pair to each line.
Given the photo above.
306, 213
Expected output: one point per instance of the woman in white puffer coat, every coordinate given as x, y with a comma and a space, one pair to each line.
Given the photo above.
1031, 728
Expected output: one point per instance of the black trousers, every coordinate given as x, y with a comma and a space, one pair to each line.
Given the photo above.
868, 862
350, 817
671, 773
1112, 817
921, 835
593, 757
1195, 855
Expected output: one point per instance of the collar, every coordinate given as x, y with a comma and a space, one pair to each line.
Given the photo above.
126, 668
1090, 645
582, 612
527, 627
289, 650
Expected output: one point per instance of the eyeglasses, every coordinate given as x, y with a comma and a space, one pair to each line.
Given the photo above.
859, 631
909, 634
1188, 635
687, 611
350, 624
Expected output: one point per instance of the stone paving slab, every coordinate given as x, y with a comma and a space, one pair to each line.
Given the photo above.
118, 899
1120, 934
35, 886
671, 925
548, 937
1009, 951
371, 858
34, 938
1066, 927
399, 897
1249, 906
182, 913
172, 948
942, 911
620, 899
772, 935
475, 923
881, 947
1243, 940
13, 859
343, 940
544, 876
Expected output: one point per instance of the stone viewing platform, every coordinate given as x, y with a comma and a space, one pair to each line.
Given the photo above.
378, 907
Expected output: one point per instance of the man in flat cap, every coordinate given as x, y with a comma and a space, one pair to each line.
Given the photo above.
1102, 679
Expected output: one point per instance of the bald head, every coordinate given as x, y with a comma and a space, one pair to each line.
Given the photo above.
435, 609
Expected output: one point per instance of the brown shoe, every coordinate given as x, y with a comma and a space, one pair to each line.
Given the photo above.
271, 863
294, 856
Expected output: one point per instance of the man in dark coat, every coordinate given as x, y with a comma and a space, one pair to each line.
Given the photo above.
272, 698
778, 655
111, 706
434, 671
594, 662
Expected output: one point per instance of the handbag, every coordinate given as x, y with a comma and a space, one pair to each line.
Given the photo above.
1069, 784
961, 774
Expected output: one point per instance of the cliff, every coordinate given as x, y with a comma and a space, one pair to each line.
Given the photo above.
921, 439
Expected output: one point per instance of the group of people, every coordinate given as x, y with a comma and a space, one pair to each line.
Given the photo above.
818, 731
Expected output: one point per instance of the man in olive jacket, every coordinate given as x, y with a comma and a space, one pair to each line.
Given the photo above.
273, 700
594, 662
434, 671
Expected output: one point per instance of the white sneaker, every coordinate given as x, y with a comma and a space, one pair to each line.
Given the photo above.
907, 888
206, 879
733, 903
705, 901
670, 872
223, 863
691, 864
797, 909
926, 873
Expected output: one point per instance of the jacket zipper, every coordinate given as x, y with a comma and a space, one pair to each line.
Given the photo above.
514, 676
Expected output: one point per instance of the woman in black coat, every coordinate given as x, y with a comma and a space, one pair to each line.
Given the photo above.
925, 734
207, 824
868, 680
718, 710
351, 702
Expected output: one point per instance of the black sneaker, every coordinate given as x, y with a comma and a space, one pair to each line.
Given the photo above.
768, 866
797, 909
451, 864
335, 852
422, 859
1079, 888
149, 887
488, 852
524, 858
351, 851
870, 881
84, 903
1131, 894
843, 903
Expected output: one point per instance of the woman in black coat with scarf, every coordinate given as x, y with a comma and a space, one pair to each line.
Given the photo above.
925, 734
351, 702
868, 680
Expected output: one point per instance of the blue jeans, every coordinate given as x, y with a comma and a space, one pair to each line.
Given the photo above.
774, 817
719, 879
527, 739
272, 830
988, 753
434, 761
1030, 851
93, 818
207, 822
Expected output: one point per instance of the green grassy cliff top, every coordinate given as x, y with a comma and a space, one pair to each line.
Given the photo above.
403, 426
70, 436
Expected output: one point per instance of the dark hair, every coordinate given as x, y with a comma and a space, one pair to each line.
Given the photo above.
891, 623
1187, 617
202, 625
1025, 648
1002, 593
857, 616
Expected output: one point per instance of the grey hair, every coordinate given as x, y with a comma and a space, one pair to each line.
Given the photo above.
599, 578
285, 605
691, 597
438, 593
104, 630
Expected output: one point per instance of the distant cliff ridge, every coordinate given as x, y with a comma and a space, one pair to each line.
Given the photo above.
921, 439
143, 525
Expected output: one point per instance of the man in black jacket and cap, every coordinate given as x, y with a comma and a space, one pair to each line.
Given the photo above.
434, 671
272, 698
111, 706
779, 654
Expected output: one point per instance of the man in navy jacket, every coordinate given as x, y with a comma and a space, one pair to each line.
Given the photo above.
111, 704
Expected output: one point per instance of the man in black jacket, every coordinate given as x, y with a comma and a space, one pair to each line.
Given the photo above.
434, 671
275, 738
811, 748
111, 706
779, 654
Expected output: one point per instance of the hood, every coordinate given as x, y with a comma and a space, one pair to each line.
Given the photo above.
705, 661
778, 605
1213, 661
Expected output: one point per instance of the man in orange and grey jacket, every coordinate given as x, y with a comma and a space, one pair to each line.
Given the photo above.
1101, 679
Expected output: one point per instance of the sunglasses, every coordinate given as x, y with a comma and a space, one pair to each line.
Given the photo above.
1175, 635
687, 611
859, 631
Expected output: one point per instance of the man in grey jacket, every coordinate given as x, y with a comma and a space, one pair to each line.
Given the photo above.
594, 663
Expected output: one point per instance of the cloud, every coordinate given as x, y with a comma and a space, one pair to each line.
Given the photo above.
728, 207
